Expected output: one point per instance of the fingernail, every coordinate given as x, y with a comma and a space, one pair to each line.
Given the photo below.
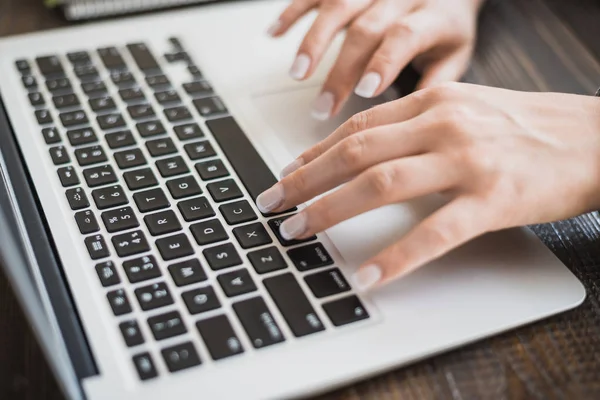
365, 278
291, 168
270, 199
293, 227
274, 28
300, 66
368, 85
323, 106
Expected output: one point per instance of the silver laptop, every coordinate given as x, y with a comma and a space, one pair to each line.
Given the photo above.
132, 155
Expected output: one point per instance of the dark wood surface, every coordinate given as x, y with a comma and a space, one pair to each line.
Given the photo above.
534, 45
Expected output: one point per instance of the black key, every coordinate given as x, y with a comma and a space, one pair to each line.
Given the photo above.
51, 135
132, 95
345, 311
209, 232
108, 274
36, 99
195, 209
101, 104
151, 200
143, 57
141, 111
87, 222
58, 85
198, 88
43, 117
79, 58
219, 337
111, 121
222, 256
194, 71
175, 246
172, 166
77, 199
109, 197
179, 56
119, 302
237, 282
258, 322
130, 158
327, 283
78, 137
130, 243
150, 128
50, 65
199, 150
145, 366
169, 96
99, 176
224, 190
96, 247
238, 212
276, 223
267, 260
164, 326
162, 223
184, 187
181, 356
65, 101
29, 82
187, 272
131, 333
210, 106
122, 78
59, 155
294, 305
211, 170
176, 114
93, 88
23, 66
310, 257
188, 131
153, 296
86, 72
176, 43
73, 118
161, 147
141, 269
157, 81
120, 139
111, 58
90, 155
252, 235
140, 179
201, 300
68, 176
120, 219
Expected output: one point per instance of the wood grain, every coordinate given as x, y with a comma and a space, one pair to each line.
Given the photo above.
533, 45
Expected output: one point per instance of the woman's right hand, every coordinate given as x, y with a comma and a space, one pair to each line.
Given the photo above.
384, 36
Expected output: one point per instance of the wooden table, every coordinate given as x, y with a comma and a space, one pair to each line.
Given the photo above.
548, 45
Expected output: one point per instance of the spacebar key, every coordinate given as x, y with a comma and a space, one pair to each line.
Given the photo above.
294, 305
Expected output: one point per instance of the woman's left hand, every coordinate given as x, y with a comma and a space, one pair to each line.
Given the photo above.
505, 158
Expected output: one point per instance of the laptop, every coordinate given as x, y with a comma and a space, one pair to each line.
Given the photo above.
132, 153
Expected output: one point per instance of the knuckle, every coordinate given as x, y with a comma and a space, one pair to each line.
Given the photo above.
298, 181
360, 121
381, 180
383, 61
353, 150
364, 29
441, 235
456, 117
402, 29
445, 92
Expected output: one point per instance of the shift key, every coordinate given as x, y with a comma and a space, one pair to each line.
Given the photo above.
258, 322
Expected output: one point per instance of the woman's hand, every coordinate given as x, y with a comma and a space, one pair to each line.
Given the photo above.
505, 159
383, 37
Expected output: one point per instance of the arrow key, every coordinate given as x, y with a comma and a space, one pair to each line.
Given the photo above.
236, 283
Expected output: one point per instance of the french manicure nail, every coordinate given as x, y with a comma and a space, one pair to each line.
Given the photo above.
293, 227
300, 66
270, 199
291, 168
368, 85
323, 106
274, 28
365, 278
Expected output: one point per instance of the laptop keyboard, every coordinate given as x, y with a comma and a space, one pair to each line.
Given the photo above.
166, 210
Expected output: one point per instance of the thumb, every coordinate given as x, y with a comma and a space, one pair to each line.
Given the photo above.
446, 69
